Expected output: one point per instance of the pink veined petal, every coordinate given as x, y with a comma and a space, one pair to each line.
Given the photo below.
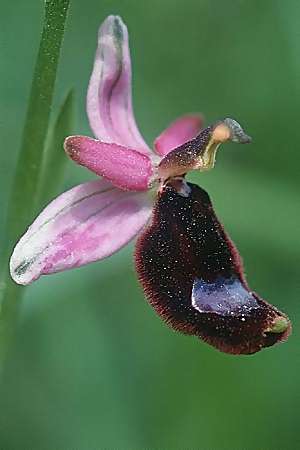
124, 167
85, 224
180, 131
109, 103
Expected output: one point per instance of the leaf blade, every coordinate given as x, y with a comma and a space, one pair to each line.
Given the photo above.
24, 189
55, 158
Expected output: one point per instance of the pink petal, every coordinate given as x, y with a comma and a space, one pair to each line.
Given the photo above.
180, 131
109, 104
85, 224
124, 167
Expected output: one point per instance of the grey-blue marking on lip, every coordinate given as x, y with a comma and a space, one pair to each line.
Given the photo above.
225, 296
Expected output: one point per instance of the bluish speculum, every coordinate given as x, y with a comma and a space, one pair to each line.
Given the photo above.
223, 296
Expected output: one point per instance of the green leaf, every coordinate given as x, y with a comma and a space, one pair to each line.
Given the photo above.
54, 162
24, 193
37, 119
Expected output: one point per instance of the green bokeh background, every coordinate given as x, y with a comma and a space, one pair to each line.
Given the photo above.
93, 366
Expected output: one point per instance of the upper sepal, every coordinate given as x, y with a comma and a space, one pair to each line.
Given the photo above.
109, 102
192, 275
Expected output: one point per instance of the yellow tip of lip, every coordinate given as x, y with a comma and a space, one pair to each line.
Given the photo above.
279, 325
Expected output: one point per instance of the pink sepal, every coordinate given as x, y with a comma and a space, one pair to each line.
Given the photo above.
85, 224
109, 103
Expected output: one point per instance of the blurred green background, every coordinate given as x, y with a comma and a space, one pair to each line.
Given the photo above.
93, 366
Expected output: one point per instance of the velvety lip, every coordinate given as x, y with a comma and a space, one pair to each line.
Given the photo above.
192, 275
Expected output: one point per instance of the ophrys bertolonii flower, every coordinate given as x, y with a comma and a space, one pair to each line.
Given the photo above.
190, 270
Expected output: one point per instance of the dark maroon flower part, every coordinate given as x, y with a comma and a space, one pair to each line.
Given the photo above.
192, 275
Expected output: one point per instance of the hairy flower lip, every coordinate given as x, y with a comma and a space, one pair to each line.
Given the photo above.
200, 152
192, 275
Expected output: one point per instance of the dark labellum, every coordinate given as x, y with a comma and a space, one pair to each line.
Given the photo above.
192, 275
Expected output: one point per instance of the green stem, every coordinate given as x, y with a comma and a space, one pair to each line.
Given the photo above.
24, 195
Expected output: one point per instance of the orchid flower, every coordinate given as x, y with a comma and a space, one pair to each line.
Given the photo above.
190, 270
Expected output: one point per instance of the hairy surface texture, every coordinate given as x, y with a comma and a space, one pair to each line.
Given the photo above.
192, 275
